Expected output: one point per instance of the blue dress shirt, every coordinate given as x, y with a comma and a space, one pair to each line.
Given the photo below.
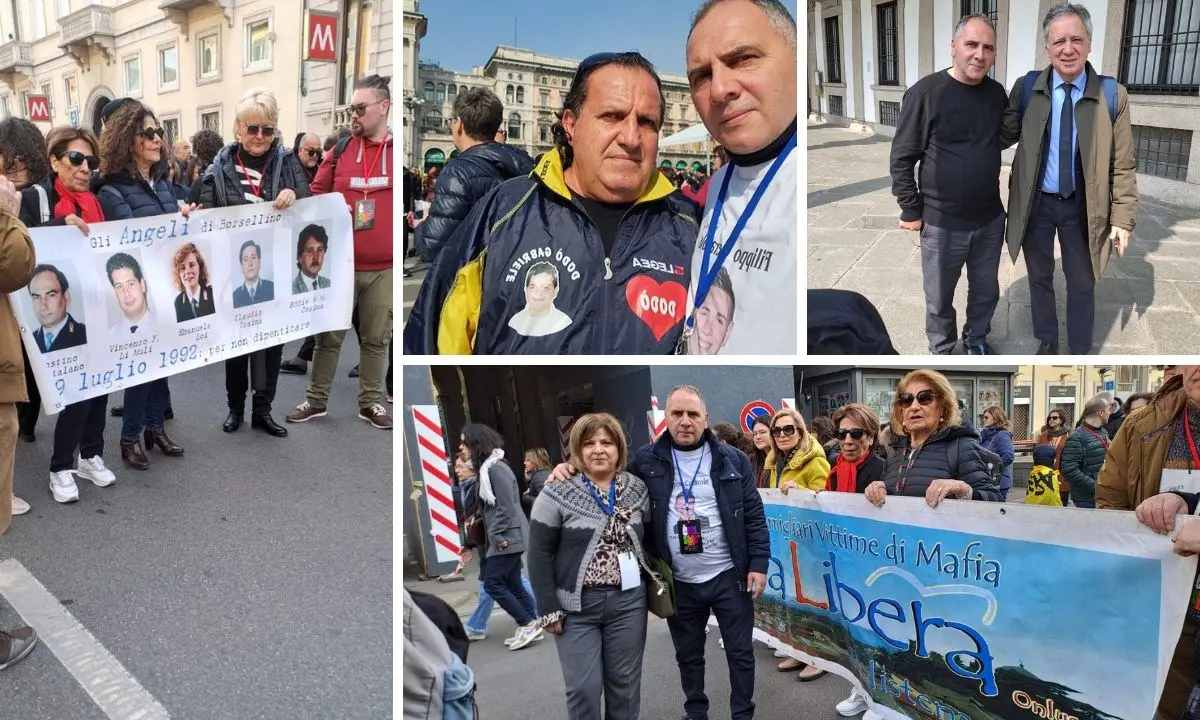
1057, 96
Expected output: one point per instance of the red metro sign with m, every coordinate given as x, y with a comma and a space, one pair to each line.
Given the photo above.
320, 37
37, 108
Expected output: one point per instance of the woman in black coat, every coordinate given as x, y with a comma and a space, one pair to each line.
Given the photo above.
134, 184
941, 458
255, 168
856, 464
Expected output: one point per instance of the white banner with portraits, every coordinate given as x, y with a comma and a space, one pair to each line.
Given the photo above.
151, 297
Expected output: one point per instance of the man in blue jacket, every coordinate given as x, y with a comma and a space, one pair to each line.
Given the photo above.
707, 520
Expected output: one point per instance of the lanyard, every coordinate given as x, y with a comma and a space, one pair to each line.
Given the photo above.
1101, 438
709, 273
256, 189
906, 468
687, 493
1187, 430
612, 496
371, 169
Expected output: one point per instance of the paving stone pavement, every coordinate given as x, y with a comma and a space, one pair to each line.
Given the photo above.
1146, 303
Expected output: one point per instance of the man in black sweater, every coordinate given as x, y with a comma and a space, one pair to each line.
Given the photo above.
951, 123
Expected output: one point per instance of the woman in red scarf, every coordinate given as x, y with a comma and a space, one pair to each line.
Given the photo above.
63, 198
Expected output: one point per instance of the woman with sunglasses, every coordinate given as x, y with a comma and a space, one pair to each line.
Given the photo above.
795, 460
254, 168
63, 198
134, 184
925, 413
1055, 433
997, 437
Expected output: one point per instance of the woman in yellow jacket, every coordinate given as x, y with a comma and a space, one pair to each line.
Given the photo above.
796, 459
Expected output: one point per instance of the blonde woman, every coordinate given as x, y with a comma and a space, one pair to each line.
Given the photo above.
925, 414
537, 469
254, 168
997, 437
796, 459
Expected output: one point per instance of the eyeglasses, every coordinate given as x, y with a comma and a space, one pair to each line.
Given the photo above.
267, 131
77, 158
150, 134
361, 108
783, 430
1053, 417
924, 398
856, 433
312, 152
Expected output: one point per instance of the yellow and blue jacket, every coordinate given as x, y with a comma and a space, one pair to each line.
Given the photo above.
526, 274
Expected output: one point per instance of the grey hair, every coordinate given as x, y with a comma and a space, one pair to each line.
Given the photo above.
777, 16
1095, 405
1062, 10
687, 388
973, 16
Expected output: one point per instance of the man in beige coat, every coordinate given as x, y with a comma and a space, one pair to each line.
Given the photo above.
16, 270
1074, 175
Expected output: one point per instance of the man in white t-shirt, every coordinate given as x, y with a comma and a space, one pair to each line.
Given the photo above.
741, 63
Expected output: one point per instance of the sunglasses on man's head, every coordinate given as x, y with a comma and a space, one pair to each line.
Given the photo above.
267, 131
591, 62
77, 158
783, 430
856, 433
924, 398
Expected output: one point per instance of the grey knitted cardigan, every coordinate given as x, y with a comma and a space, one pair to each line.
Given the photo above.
564, 528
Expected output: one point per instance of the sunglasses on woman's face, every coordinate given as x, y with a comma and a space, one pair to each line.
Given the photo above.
856, 433
150, 134
267, 131
784, 431
924, 398
77, 158
1053, 417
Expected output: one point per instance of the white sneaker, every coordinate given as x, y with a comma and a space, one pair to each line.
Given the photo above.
871, 715
19, 506
62, 486
852, 705
525, 635
93, 469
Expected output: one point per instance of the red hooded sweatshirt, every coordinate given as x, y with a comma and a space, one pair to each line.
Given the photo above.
360, 162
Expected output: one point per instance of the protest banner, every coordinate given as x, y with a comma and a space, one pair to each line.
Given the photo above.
146, 298
975, 610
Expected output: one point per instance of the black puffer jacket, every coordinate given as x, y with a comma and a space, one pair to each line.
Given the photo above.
932, 462
460, 184
221, 183
122, 196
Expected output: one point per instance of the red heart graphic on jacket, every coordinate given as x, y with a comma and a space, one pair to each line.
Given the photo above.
660, 306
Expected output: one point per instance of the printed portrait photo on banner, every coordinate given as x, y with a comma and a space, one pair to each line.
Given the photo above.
58, 317
311, 246
193, 281
254, 287
124, 273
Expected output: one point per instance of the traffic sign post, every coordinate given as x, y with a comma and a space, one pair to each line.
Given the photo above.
752, 410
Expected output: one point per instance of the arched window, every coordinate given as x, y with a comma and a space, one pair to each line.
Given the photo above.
441, 93
508, 94
452, 92
520, 96
433, 121
544, 133
428, 92
514, 126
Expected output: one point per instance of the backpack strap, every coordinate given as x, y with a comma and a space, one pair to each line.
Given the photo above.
1108, 87
1027, 84
340, 148
43, 203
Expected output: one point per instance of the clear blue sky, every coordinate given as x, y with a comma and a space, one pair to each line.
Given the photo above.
463, 33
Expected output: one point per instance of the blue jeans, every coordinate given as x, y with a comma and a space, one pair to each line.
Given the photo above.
144, 408
478, 621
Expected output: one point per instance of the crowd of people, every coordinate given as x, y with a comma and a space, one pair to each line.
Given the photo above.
591, 248
70, 176
608, 527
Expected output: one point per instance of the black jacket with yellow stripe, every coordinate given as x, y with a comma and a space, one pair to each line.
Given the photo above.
526, 274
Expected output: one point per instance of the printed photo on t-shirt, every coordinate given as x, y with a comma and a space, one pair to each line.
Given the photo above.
540, 317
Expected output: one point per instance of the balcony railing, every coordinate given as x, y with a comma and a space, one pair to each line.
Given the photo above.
15, 55
82, 25
341, 117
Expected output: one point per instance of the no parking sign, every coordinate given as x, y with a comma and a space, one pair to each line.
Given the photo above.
754, 409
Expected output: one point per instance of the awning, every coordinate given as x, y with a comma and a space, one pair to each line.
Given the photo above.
694, 134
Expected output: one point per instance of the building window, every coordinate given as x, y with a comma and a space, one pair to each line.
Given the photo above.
71, 88
833, 50
170, 128
355, 61
510, 94
133, 75
428, 92
433, 121
544, 133
514, 127
889, 41
544, 96
520, 96
46, 89
1162, 152
39, 20
210, 120
889, 113
168, 68
452, 92
441, 93
64, 7
258, 43
208, 50
837, 106
980, 7
1160, 47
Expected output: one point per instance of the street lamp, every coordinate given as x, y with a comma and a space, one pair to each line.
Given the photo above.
412, 106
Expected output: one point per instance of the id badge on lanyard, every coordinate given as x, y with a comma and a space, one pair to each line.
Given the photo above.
687, 530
